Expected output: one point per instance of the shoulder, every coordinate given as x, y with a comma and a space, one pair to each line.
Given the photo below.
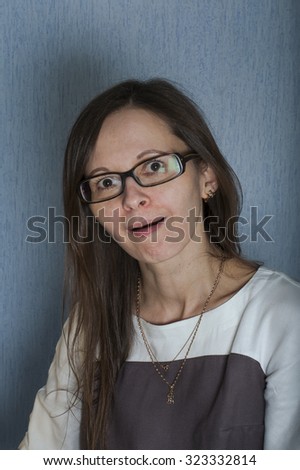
272, 277
270, 304
269, 325
275, 290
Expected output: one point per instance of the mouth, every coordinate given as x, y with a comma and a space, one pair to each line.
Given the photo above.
146, 229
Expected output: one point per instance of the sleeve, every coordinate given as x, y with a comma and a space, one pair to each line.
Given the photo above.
55, 419
282, 393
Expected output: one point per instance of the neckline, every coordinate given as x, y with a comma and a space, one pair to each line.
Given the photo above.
213, 311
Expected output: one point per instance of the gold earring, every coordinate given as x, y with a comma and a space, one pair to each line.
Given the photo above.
210, 195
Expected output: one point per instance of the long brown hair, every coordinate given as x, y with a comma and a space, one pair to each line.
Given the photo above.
100, 277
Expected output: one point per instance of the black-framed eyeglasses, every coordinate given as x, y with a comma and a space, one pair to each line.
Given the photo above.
151, 172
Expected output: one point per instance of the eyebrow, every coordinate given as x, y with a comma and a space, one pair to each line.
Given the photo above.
138, 157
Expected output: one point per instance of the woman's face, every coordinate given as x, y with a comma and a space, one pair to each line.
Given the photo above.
130, 136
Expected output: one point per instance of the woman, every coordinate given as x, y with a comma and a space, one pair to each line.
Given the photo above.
174, 340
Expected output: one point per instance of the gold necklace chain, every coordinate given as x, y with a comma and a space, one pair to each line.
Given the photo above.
165, 367
155, 362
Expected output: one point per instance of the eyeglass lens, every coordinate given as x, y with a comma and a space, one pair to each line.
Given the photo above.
151, 172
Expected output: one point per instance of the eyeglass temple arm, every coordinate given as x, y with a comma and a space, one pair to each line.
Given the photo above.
191, 156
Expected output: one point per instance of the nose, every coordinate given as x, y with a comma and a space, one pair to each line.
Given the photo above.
134, 195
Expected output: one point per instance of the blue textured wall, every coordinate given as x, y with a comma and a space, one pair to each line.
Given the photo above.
239, 59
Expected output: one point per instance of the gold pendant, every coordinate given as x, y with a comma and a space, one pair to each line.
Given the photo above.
165, 367
170, 396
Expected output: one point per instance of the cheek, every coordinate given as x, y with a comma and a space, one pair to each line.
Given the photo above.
110, 218
185, 199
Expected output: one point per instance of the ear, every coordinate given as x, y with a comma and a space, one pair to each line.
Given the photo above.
209, 183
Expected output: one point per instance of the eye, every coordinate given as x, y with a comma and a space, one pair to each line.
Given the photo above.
105, 183
109, 182
154, 166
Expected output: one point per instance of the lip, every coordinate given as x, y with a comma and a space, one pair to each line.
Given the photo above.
147, 228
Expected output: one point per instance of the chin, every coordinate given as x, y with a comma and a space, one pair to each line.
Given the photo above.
155, 253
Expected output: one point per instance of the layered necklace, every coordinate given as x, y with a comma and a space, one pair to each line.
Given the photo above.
160, 368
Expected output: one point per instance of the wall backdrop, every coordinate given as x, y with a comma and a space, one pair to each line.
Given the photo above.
238, 59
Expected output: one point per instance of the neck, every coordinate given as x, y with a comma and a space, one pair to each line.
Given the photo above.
171, 293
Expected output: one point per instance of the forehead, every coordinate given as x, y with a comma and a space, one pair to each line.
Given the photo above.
127, 133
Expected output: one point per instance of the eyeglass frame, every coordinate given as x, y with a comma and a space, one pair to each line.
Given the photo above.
183, 159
